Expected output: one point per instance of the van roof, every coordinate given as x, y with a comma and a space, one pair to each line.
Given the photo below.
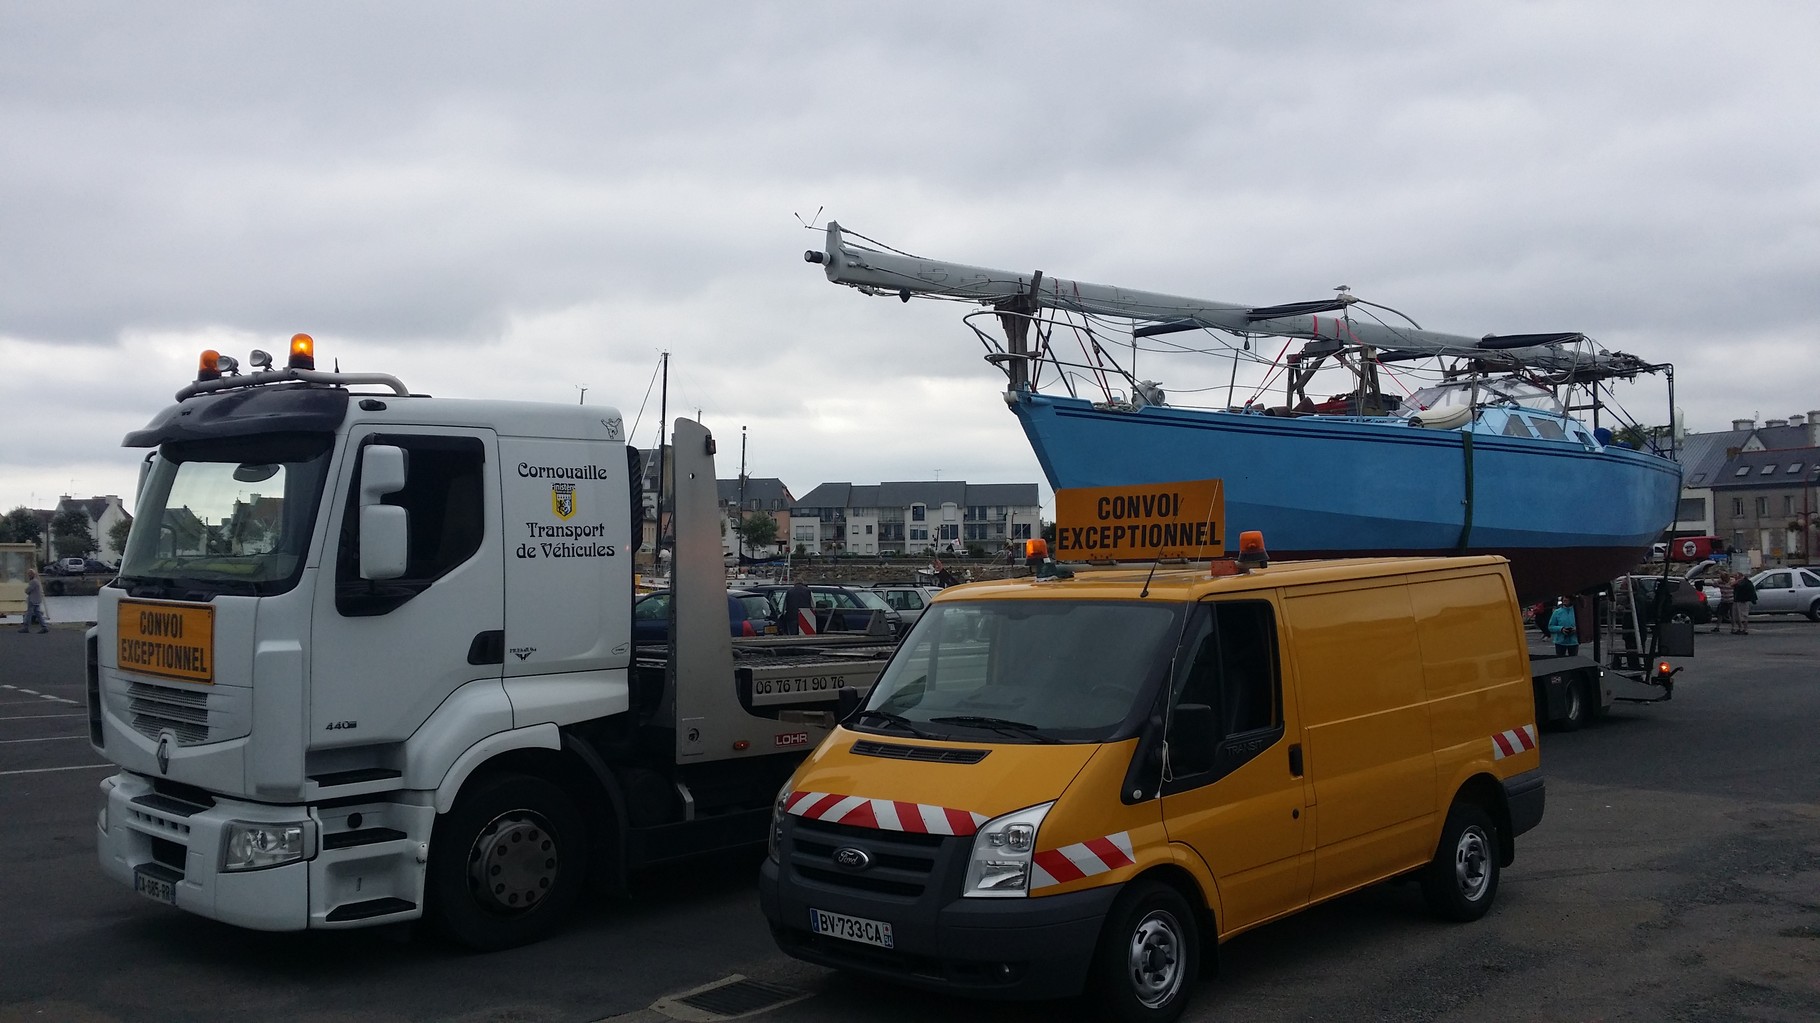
1193, 582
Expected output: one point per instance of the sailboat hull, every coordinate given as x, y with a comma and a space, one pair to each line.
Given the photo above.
1567, 514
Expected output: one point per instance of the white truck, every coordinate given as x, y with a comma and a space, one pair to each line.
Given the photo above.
369, 659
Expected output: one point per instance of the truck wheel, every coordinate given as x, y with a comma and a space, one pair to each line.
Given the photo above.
1578, 709
508, 863
1149, 954
1462, 879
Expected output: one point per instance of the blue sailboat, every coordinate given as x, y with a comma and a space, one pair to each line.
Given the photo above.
1490, 458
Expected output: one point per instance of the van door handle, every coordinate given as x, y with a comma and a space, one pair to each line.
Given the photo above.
1295, 760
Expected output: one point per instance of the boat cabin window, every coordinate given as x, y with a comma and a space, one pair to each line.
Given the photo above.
1549, 429
1516, 427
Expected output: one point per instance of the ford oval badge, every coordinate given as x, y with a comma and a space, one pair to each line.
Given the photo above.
850, 858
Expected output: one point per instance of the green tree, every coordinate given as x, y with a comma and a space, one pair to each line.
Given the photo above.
116, 535
20, 526
70, 536
759, 530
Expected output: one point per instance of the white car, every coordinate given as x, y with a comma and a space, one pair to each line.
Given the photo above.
1787, 591
908, 601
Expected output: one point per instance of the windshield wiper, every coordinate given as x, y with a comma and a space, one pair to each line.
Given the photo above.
1002, 725
896, 719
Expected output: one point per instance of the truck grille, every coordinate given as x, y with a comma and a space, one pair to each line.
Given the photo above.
901, 865
157, 709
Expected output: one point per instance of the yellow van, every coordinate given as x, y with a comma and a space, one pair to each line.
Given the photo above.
1085, 784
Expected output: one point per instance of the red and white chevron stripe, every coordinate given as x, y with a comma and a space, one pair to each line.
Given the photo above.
1513, 742
1082, 859
884, 814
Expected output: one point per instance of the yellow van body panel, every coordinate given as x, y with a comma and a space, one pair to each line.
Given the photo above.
1091, 837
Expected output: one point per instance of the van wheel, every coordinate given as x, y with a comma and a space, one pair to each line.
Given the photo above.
1148, 956
508, 863
1462, 880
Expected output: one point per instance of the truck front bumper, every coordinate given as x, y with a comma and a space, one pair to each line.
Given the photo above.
989, 948
171, 849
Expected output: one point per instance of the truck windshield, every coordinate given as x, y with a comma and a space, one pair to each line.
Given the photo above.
226, 516
1024, 670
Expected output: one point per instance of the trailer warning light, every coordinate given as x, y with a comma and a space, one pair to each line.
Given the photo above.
209, 366
303, 352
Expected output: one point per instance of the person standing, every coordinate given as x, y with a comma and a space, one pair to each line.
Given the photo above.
1744, 594
796, 599
34, 602
1724, 611
1564, 627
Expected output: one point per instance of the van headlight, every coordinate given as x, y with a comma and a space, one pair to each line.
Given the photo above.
1002, 850
252, 846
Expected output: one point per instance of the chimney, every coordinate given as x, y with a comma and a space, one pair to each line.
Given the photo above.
1813, 428
1744, 424
1769, 423
1795, 420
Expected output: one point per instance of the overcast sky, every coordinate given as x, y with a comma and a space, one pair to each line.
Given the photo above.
519, 200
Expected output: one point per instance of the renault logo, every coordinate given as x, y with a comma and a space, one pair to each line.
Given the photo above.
850, 858
164, 754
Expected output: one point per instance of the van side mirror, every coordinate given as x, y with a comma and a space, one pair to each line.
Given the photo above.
846, 700
1191, 739
384, 528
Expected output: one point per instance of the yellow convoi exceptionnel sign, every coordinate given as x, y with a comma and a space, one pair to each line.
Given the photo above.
172, 640
1141, 522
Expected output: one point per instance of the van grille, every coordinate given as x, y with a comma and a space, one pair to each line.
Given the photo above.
901, 865
157, 709
930, 754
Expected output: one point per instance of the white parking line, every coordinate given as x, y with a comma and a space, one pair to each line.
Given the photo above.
48, 738
39, 695
48, 770
37, 717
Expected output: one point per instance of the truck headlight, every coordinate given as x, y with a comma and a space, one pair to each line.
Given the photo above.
1002, 850
252, 846
774, 838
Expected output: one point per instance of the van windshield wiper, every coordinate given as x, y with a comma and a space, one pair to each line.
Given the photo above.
1002, 725
896, 719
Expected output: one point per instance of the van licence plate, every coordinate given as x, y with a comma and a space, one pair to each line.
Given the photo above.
851, 928
155, 888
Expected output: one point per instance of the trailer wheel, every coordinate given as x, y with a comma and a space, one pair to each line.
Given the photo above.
508, 863
1462, 879
1149, 954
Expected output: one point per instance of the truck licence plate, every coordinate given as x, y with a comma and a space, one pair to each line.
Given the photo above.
154, 888
850, 928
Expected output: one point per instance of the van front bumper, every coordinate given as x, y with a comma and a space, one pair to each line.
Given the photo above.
989, 948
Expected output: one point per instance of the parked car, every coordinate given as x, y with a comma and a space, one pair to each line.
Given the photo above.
69, 566
92, 567
1787, 591
907, 601
838, 609
748, 614
1684, 602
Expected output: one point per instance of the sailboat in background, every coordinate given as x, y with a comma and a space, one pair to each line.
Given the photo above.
1489, 458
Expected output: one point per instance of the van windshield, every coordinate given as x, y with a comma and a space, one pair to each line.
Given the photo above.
1024, 670
226, 516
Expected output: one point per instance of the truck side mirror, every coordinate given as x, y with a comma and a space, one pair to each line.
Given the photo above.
384, 528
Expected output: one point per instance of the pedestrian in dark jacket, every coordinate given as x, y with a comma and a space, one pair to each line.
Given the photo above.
796, 599
1744, 594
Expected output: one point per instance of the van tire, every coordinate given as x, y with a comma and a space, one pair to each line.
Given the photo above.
1462, 879
531, 832
1149, 955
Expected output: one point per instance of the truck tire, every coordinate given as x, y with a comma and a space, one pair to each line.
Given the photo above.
508, 863
1148, 956
1462, 879
1578, 709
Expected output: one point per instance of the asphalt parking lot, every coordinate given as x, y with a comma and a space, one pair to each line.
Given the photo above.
1675, 876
